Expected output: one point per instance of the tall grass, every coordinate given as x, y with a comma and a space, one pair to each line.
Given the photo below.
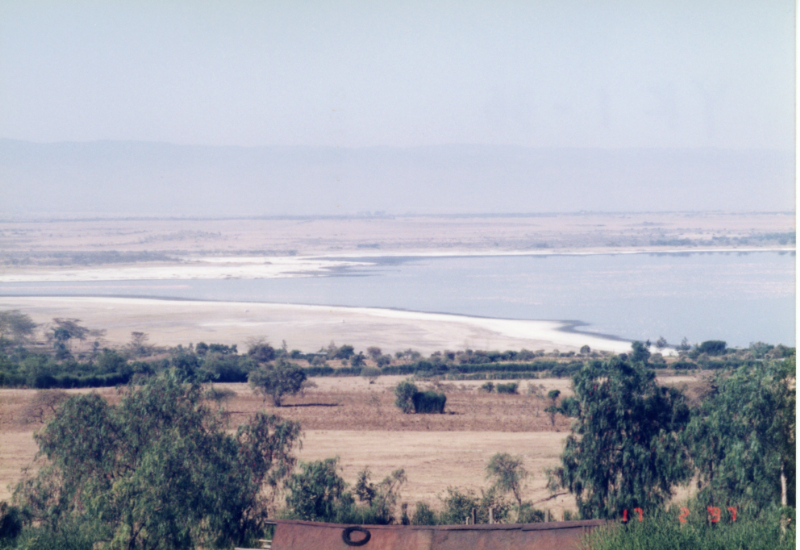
665, 532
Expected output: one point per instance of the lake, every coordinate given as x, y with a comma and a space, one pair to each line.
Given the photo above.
736, 297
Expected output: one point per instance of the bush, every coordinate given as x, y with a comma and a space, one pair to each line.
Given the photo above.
318, 493
219, 394
424, 515
488, 387
405, 391
507, 388
370, 372
712, 347
458, 506
664, 532
10, 522
429, 402
68, 537
528, 514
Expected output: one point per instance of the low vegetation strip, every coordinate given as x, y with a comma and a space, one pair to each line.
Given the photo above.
66, 354
666, 532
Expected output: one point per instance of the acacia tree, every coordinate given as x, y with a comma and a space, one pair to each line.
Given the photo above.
742, 438
275, 381
158, 470
623, 451
15, 327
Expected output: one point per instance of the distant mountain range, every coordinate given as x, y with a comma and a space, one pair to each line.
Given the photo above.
107, 178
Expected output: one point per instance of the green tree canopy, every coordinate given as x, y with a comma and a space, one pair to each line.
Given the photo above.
318, 493
158, 470
275, 381
405, 392
509, 475
742, 438
623, 451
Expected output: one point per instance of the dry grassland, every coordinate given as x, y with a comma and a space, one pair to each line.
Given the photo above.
410, 234
357, 421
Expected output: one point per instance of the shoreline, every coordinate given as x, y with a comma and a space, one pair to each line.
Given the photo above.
312, 265
170, 322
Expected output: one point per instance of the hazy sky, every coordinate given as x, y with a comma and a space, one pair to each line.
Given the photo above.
640, 73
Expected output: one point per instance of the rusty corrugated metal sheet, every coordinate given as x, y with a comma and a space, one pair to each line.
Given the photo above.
307, 535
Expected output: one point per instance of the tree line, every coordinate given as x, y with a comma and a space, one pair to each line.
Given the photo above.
73, 356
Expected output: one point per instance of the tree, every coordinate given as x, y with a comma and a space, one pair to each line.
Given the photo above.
623, 451
713, 347
66, 330
509, 475
553, 408
357, 360
138, 344
157, 471
742, 437
380, 498
44, 405
344, 352
275, 381
15, 327
261, 352
640, 352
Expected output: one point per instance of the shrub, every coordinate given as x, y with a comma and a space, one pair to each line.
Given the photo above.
488, 387
317, 491
664, 532
405, 391
712, 347
458, 506
10, 522
507, 388
424, 515
528, 514
219, 394
429, 402
370, 372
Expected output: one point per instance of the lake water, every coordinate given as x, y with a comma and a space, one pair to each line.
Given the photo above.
736, 297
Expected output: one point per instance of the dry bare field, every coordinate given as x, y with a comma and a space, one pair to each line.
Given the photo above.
356, 420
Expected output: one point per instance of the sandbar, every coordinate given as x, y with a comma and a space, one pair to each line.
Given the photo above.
305, 327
